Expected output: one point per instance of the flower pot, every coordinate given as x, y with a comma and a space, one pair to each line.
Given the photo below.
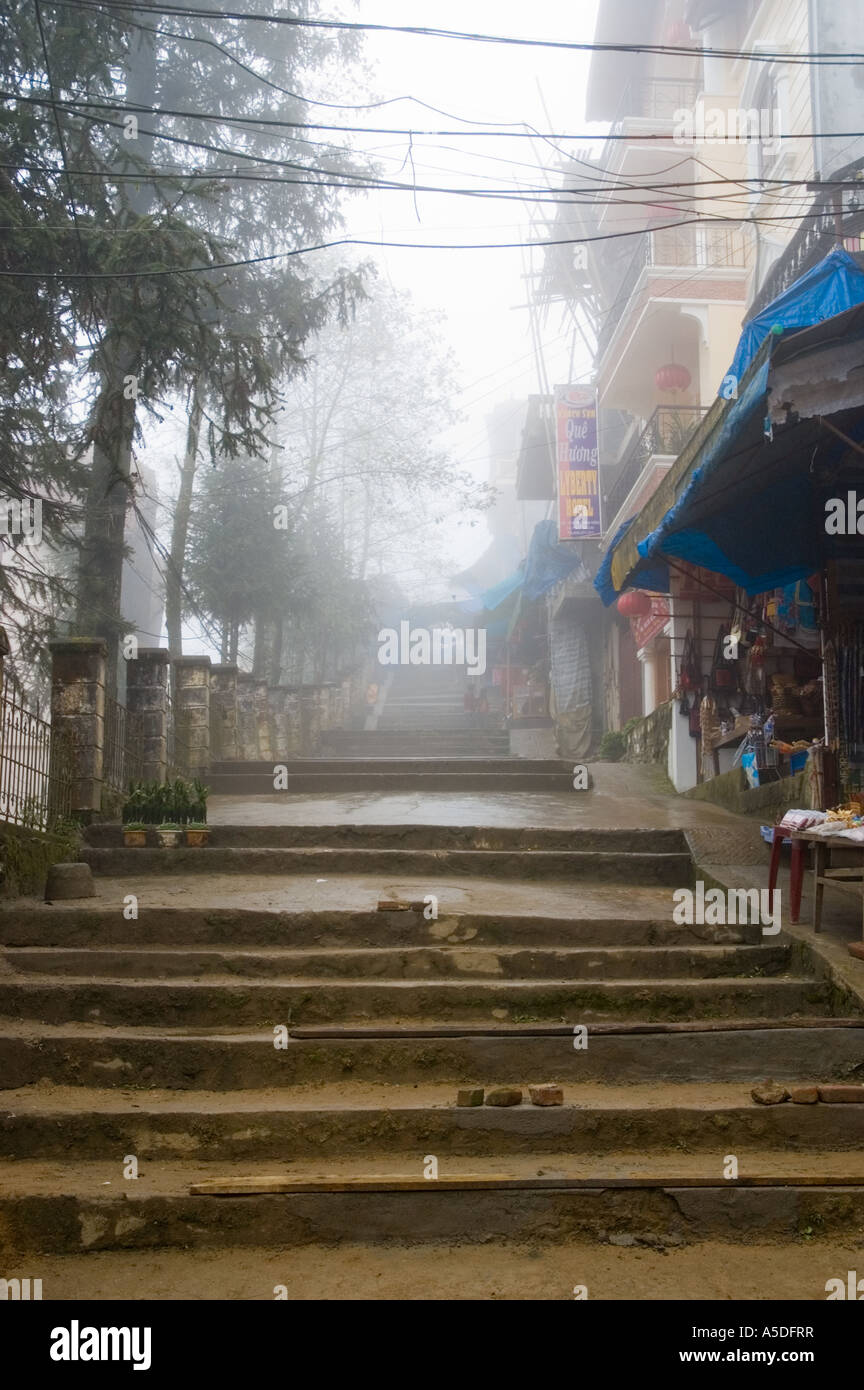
197, 837
169, 839
135, 839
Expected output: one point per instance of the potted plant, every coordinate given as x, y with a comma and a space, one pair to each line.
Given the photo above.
198, 802
169, 834
135, 835
197, 833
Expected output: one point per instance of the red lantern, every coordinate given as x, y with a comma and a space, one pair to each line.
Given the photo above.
673, 377
634, 604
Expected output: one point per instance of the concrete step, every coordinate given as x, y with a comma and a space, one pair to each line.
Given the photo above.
107, 835
373, 764
513, 779
70, 1207
658, 1266
223, 1001
350, 1120
467, 962
673, 869
94, 1054
70, 925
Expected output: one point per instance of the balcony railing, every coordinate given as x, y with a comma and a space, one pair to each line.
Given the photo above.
816, 236
713, 247
651, 98
666, 434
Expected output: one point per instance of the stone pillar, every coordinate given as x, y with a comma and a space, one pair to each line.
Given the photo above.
310, 720
192, 712
78, 667
147, 699
264, 739
223, 713
247, 718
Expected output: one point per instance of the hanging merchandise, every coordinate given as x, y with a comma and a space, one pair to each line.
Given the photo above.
696, 716
724, 669
754, 671
690, 675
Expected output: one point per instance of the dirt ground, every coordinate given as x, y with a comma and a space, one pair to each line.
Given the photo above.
796, 1272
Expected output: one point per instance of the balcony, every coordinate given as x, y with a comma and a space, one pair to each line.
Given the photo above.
671, 248
820, 231
663, 438
644, 102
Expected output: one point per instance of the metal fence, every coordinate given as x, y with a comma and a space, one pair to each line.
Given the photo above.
37, 766
121, 758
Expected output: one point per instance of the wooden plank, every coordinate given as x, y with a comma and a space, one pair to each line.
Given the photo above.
238, 1187
555, 1030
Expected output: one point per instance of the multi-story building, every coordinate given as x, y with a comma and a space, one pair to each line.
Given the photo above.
712, 192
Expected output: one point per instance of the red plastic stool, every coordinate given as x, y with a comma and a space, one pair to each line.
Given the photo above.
796, 869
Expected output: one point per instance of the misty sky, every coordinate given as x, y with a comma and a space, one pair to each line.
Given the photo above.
478, 291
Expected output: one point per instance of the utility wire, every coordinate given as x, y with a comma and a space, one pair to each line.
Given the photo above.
272, 122
425, 31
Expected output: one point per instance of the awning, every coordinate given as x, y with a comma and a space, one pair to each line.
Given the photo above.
830, 288
747, 497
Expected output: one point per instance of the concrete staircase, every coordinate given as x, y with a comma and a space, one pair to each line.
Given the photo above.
382, 773
155, 1038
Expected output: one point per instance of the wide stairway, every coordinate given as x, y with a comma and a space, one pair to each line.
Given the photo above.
425, 741
285, 1076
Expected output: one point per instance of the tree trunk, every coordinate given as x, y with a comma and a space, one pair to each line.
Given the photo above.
180, 527
100, 564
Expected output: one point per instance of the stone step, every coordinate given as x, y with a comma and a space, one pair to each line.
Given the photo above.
223, 1001
70, 1207
71, 924
650, 1266
350, 1120
93, 1054
673, 869
107, 835
467, 962
320, 766
512, 780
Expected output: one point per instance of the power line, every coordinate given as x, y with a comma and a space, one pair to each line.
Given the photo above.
272, 122
768, 220
426, 31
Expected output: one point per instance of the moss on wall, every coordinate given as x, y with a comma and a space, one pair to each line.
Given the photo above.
26, 856
769, 802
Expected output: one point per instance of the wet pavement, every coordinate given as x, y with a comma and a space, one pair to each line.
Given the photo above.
624, 796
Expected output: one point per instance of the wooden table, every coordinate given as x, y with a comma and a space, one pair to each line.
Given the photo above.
850, 880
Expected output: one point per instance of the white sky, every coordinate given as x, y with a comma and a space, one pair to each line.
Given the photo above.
479, 292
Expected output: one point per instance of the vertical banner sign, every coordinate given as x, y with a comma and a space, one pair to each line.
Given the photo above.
578, 464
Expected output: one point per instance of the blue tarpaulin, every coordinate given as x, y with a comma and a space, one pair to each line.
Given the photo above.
831, 287
549, 560
654, 575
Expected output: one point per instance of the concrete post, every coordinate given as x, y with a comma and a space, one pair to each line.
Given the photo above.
78, 670
192, 711
147, 697
223, 713
247, 718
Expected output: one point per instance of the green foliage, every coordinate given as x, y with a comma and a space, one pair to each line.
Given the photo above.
613, 745
27, 855
155, 803
69, 343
